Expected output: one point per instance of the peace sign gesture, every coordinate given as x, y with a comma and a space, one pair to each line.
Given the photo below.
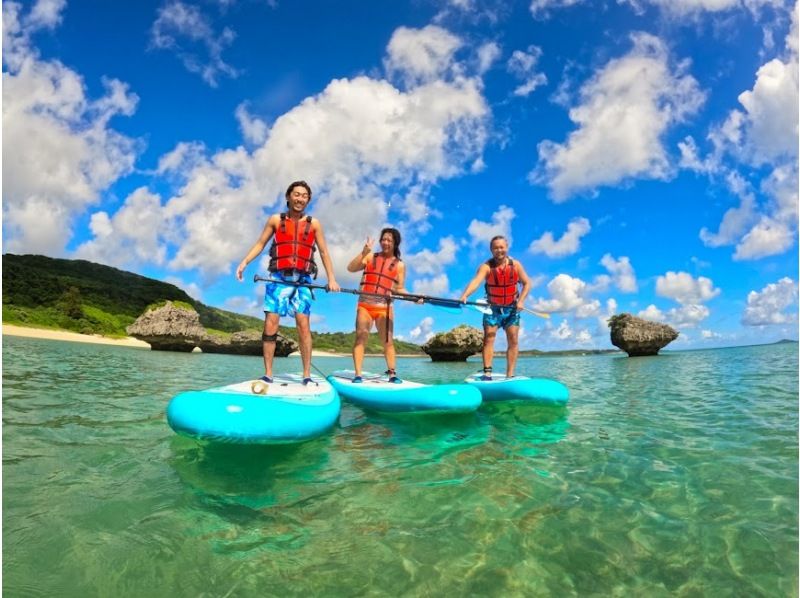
368, 246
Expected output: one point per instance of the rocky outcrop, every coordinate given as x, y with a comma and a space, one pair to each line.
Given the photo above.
247, 342
169, 327
456, 345
639, 337
172, 327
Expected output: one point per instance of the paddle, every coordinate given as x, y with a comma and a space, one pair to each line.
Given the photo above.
413, 298
452, 304
481, 305
539, 314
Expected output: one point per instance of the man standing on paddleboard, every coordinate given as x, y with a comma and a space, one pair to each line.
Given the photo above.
295, 237
384, 275
502, 277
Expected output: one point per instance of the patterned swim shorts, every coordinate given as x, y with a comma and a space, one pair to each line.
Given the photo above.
287, 300
502, 317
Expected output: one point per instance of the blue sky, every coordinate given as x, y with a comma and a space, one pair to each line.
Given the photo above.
641, 155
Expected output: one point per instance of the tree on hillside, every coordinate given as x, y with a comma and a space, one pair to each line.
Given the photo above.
70, 303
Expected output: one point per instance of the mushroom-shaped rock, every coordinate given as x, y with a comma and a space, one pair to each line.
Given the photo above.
169, 327
639, 337
246, 342
456, 345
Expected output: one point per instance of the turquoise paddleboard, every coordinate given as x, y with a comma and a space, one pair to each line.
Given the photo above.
253, 412
378, 394
541, 391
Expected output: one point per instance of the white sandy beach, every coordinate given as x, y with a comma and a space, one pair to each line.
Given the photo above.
61, 335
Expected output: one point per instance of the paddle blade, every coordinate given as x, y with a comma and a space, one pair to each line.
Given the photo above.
448, 305
453, 309
482, 306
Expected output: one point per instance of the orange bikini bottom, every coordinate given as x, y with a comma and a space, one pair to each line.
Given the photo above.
374, 310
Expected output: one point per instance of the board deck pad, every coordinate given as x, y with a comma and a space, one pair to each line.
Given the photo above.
371, 379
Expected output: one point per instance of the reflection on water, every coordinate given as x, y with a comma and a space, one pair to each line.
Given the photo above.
667, 475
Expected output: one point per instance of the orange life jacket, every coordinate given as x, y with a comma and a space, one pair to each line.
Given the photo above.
380, 275
292, 248
501, 283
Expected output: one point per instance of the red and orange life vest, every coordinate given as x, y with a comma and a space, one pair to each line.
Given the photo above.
501, 283
293, 246
380, 275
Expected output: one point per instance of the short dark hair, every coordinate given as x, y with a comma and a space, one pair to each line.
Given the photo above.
396, 236
298, 184
496, 238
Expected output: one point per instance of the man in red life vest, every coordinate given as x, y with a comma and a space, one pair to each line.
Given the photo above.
502, 277
295, 238
384, 275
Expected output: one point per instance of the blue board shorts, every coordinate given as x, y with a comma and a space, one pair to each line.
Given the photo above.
286, 300
502, 317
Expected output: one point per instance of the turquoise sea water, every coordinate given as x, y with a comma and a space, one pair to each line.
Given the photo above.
669, 475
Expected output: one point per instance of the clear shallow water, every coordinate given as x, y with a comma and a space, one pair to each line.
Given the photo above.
673, 475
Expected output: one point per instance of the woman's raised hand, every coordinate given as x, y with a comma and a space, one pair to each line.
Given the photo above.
368, 246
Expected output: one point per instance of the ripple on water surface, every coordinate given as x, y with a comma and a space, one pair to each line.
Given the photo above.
667, 475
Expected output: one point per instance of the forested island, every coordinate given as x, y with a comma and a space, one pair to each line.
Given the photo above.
89, 298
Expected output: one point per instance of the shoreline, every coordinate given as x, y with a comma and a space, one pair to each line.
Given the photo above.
320, 353
129, 341
73, 337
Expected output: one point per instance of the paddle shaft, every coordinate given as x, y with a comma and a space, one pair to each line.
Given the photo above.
386, 298
441, 301
455, 303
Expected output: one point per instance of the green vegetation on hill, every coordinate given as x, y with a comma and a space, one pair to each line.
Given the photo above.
90, 298
342, 342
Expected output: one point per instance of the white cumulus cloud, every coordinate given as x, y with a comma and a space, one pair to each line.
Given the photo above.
687, 316
427, 262
763, 132
522, 65
622, 273
771, 304
568, 294
652, 313
568, 244
541, 8
685, 289
482, 232
436, 286
488, 54
187, 32
421, 55
131, 237
422, 331
625, 110
65, 153
355, 142
254, 130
